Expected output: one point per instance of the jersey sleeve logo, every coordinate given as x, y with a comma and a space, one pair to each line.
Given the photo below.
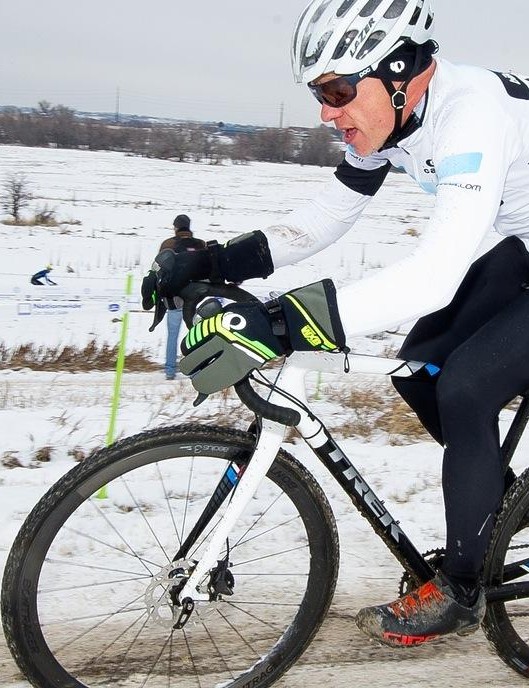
464, 163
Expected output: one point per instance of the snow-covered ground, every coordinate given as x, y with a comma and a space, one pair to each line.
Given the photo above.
120, 208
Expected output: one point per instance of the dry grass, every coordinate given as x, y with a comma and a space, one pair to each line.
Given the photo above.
374, 409
43, 454
45, 217
91, 357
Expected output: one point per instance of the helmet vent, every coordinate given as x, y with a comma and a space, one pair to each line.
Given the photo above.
346, 5
346, 41
396, 8
429, 21
319, 11
416, 15
371, 43
369, 8
309, 60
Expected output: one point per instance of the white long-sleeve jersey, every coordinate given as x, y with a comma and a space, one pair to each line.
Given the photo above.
471, 150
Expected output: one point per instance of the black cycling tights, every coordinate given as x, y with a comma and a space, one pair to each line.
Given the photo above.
481, 342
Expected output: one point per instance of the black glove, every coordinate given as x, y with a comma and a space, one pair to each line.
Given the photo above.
150, 298
149, 293
224, 349
220, 351
244, 257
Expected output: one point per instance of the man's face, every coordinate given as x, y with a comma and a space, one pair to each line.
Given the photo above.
366, 121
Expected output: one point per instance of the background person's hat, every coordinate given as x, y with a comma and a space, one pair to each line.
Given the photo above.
182, 222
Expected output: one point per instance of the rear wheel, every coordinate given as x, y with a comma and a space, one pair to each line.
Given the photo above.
506, 622
87, 590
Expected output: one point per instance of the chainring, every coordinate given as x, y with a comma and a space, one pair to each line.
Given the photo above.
433, 557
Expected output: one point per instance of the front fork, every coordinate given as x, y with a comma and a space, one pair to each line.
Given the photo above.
268, 445
265, 453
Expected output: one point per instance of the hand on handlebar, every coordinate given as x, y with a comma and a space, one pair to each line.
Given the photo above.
222, 350
171, 273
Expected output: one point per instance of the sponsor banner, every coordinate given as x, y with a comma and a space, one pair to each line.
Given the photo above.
26, 308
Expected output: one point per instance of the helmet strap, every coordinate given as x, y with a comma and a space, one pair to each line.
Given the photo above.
399, 100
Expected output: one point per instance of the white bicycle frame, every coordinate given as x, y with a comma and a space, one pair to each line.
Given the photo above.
291, 380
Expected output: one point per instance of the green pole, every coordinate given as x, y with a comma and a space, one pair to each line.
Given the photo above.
317, 396
120, 364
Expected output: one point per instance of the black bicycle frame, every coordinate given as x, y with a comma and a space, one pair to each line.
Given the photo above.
373, 509
390, 531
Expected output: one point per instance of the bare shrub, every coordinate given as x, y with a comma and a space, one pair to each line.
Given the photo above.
45, 217
77, 454
16, 195
43, 455
10, 460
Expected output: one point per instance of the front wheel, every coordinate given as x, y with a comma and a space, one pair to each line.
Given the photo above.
88, 591
506, 575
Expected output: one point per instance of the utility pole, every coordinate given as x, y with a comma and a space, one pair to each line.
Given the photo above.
117, 105
282, 133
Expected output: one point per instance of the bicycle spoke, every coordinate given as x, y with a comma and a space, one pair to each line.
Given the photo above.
237, 632
268, 556
155, 662
187, 499
166, 495
257, 521
131, 553
145, 519
111, 644
65, 562
253, 616
92, 585
89, 617
265, 532
190, 654
217, 649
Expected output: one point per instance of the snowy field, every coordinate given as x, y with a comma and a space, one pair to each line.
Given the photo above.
119, 209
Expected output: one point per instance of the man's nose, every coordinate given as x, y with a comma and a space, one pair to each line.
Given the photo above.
328, 113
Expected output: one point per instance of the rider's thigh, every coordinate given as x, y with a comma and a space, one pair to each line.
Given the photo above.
491, 367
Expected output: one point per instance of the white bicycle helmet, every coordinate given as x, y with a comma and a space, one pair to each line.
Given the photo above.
353, 36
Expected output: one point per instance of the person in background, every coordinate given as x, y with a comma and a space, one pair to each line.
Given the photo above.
183, 240
43, 275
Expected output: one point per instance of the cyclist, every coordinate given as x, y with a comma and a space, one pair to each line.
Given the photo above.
462, 133
43, 275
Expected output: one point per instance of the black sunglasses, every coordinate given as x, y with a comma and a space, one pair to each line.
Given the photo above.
337, 92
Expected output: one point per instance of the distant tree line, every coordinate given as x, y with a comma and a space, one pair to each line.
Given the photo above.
61, 127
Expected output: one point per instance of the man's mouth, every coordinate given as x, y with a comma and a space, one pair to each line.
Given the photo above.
349, 135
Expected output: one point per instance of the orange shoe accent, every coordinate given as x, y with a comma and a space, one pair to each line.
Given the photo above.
406, 606
408, 640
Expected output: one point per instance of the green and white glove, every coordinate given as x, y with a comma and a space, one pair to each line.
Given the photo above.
222, 350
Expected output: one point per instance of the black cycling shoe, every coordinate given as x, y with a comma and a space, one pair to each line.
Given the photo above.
422, 615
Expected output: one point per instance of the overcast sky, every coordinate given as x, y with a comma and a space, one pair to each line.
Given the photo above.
204, 60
